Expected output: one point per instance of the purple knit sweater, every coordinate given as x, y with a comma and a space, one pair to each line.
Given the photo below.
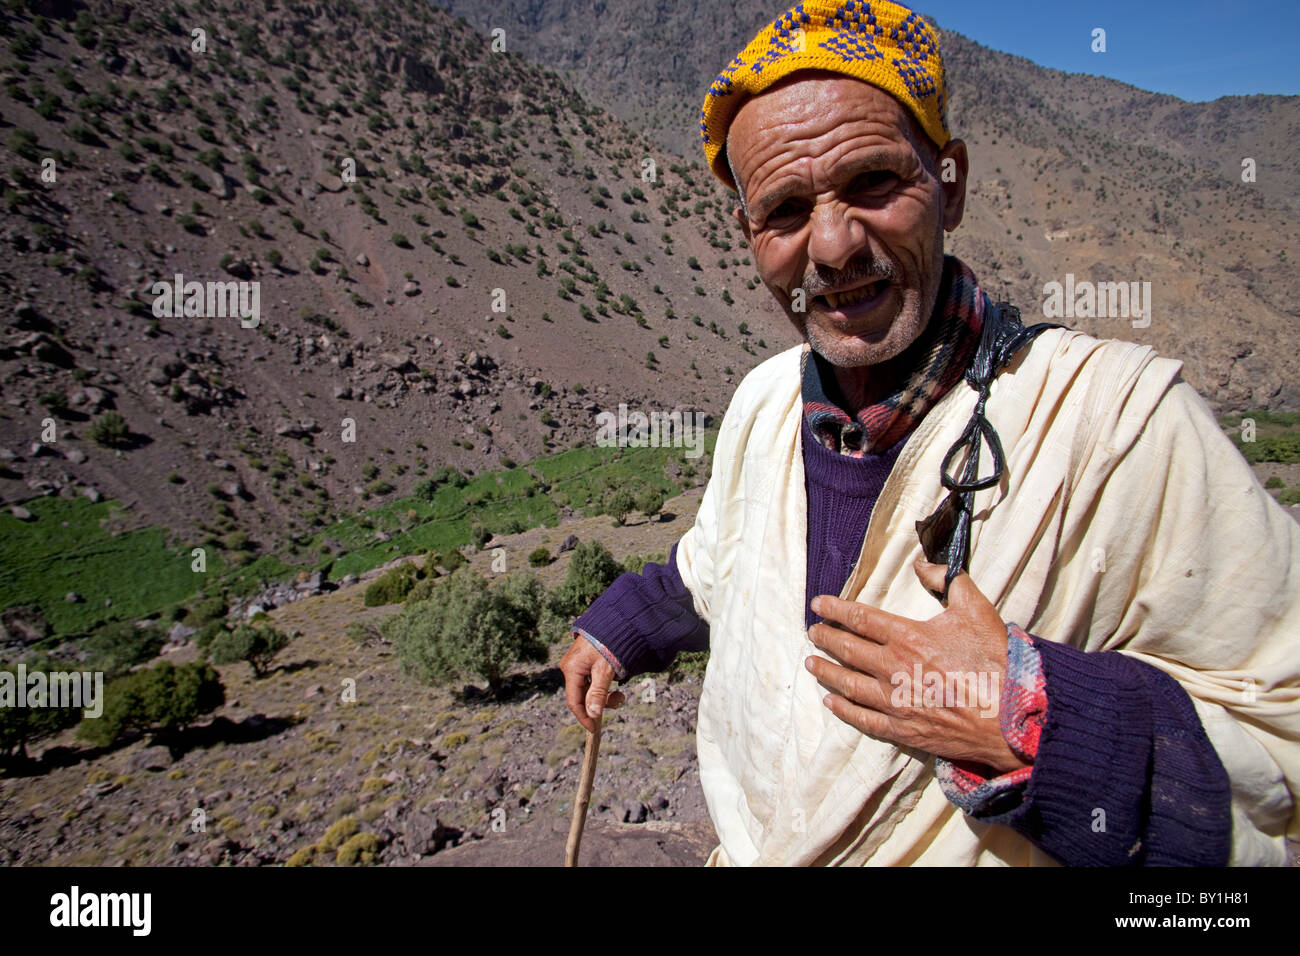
1122, 736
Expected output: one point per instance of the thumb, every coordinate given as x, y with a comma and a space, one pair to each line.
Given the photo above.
932, 576
598, 692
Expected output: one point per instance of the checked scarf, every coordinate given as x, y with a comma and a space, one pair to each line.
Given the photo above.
936, 362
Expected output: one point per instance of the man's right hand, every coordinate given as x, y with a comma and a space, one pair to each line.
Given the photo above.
586, 683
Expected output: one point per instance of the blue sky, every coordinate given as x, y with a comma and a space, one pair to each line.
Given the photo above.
1196, 50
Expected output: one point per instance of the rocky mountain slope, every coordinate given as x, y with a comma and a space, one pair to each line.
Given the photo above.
454, 252
1070, 174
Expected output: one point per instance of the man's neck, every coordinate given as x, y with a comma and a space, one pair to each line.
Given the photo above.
868, 384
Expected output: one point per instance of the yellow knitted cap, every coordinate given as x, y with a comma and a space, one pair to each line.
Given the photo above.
882, 43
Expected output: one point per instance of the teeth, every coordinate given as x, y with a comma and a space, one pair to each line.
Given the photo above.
851, 297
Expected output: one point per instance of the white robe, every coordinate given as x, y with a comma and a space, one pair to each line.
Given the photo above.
1126, 520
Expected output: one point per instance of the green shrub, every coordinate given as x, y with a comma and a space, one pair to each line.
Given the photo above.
338, 834
206, 609
469, 627
256, 643
539, 557
619, 504
650, 502
393, 586
20, 726
591, 570
110, 430
117, 647
360, 848
163, 699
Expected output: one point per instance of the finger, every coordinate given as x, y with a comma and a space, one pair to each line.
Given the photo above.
598, 692
870, 722
576, 668
961, 591
848, 648
862, 619
932, 577
575, 692
862, 689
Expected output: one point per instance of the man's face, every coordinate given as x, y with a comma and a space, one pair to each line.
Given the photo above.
844, 199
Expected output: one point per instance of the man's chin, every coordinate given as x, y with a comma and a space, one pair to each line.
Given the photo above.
857, 351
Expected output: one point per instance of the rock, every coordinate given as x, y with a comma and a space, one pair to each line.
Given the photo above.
240, 269
21, 513
23, 624
397, 362
75, 455
180, 633
92, 494
342, 392
568, 544
349, 580
232, 489
52, 353
299, 429
314, 691
222, 187
90, 399
313, 582
424, 834
28, 319
72, 597
634, 812
411, 288
151, 758
362, 260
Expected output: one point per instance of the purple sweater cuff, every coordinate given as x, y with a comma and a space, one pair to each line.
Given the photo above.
1124, 774
646, 619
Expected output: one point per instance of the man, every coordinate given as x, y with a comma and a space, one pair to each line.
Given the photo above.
1113, 682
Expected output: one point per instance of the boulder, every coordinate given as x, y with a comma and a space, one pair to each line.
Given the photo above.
23, 624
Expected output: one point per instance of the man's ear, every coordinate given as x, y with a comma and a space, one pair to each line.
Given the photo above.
953, 166
741, 218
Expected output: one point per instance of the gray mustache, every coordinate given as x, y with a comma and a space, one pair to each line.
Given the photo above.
819, 283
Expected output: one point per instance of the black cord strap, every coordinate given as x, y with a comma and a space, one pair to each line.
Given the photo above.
945, 534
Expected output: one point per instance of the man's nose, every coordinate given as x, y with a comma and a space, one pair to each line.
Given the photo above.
835, 237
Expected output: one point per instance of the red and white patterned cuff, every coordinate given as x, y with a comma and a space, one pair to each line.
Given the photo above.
1021, 718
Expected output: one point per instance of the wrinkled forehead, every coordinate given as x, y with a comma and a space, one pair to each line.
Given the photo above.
811, 103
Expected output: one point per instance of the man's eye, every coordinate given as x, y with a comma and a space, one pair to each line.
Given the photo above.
873, 182
784, 211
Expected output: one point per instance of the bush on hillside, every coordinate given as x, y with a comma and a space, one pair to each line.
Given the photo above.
110, 430
256, 643
393, 585
591, 570
162, 699
469, 627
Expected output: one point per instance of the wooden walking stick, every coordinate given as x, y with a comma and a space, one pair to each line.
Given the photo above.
584, 794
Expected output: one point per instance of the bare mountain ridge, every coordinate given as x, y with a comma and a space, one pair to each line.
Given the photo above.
498, 273
1070, 174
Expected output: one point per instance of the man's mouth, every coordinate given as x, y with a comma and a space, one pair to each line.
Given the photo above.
864, 295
